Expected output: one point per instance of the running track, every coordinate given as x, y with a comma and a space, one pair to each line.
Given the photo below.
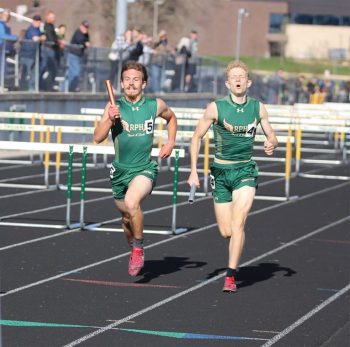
68, 287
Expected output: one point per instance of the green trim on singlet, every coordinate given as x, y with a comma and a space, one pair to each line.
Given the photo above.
133, 132
234, 132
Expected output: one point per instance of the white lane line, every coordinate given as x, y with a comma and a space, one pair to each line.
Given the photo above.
72, 204
27, 193
198, 286
77, 184
11, 167
174, 237
158, 209
51, 208
170, 206
307, 316
30, 285
6, 180
38, 239
98, 199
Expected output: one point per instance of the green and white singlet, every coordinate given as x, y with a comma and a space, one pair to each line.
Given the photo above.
234, 132
133, 133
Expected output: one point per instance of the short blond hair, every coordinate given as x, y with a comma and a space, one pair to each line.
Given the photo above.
236, 63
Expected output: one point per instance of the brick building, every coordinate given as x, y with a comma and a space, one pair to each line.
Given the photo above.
306, 29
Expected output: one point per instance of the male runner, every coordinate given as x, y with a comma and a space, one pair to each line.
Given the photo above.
133, 173
233, 174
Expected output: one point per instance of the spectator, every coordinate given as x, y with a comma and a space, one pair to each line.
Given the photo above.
300, 90
192, 61
181, 62
344, 92
137, 50
276, 88
119, 54
30, 54
145, 57
329, 90
7, 41
161, 50
61, 32
61, 35
318, 96
79, 42
310, 87
50, 53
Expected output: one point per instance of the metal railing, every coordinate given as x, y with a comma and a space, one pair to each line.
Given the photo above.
26, 73
96, 67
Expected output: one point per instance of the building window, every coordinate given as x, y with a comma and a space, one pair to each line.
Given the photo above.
276, 49
303, 19
326, 20
345, 21
277, 22
300, 18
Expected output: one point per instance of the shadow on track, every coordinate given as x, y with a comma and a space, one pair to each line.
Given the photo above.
156, 268
250, 275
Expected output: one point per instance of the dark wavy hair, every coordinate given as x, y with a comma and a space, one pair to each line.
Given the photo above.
134, 65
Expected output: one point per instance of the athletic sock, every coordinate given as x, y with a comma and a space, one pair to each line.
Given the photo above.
231, 272
138, 243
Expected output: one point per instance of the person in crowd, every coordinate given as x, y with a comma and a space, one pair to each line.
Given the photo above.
300, 89
343, 92
79, 43
276, 87
319, 95
137, 49
61, 32
233, 174
119, 54
145, 57
192, 61
182, 54
30, 55
161, 51
50, 53
133, 174
311, 86
61, 35
7, 41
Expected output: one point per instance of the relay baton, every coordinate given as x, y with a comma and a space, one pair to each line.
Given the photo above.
110, 92
192, 194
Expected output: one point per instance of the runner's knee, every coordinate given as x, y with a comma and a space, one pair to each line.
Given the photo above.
125, 219
225, 231
238, 226
132, 206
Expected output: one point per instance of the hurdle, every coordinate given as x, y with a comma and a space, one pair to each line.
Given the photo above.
289, 140
67, 123
342, 161
99, 149
174, 230
332, 120
48, 130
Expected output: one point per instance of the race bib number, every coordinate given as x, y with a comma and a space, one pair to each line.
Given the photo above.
251, 129
149, 126
111, 171
212, 181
